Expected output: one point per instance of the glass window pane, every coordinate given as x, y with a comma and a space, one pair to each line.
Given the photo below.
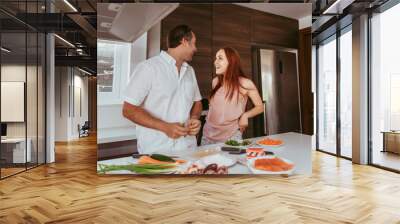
31, 100
385, 89
105, 66
41, 98
327, 96
23, 86
346, 94
13, 87
112, 64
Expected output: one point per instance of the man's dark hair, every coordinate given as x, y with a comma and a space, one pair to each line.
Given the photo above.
176, 34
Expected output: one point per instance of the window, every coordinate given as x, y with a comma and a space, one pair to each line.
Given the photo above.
105, 65
394, 101
22, 65
327, 96
385, 88
113, 63
346, 93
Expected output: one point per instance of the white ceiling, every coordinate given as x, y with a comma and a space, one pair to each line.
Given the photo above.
291, 10
133, 20
127, 22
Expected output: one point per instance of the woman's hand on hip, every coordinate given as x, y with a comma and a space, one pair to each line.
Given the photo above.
243, 122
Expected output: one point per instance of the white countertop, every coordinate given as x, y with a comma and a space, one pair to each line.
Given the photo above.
106, 135
296, 148
13, 140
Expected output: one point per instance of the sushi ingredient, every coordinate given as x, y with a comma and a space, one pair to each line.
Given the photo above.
254, 152
210, 169
150, 160
272, 164
138, 168
237, 143
232, 143
270, 141
163, 158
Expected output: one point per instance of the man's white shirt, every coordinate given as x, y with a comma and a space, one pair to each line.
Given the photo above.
156, 86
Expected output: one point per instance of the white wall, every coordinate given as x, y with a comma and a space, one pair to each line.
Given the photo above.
61, 103
305, 22
153, 41
110, 116
67, 81
138, 52
33, 126
80, 82
15, 72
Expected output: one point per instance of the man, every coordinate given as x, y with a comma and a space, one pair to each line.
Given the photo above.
163, 99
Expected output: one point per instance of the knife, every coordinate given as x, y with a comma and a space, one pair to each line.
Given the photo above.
137, 156
230, 149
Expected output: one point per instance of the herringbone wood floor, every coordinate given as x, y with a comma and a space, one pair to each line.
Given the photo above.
70, 191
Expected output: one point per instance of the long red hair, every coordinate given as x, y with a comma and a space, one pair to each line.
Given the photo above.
232, 75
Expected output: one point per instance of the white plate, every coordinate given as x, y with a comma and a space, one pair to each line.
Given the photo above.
198, 154
250, 164
219, 158
268, 146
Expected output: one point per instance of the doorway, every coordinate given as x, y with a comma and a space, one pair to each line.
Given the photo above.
278, 83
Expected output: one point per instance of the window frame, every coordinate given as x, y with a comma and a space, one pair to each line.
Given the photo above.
335, 36
381, 9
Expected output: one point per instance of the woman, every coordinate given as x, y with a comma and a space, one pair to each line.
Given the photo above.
227, 118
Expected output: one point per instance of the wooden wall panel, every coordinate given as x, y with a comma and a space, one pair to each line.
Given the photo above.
231, 23
92, 100
118, 149
198, 17
231, 27
275, 30
306, 95
203, 36
203, 72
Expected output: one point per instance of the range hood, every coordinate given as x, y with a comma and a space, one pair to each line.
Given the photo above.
133, 20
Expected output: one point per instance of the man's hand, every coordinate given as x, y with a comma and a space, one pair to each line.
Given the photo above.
194, 126
175, 130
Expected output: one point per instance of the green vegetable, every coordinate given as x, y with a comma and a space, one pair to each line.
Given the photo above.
246, 142
138, 168
232, 143
236, 143
162, 158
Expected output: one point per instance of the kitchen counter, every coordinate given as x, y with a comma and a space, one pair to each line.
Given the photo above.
296, 148
107, 135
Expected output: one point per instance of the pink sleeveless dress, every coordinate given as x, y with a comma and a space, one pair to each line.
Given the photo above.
222, 120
